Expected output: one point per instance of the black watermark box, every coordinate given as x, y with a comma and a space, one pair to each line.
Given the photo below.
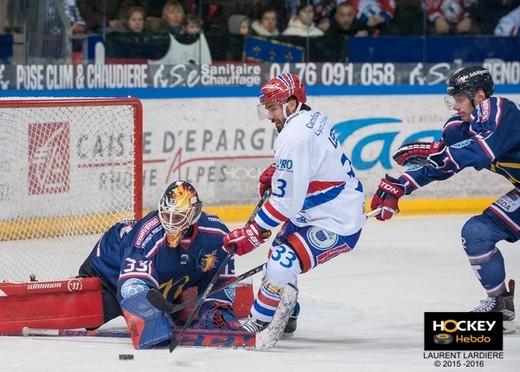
463, 331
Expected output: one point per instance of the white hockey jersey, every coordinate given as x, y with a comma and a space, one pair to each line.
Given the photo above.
314, 183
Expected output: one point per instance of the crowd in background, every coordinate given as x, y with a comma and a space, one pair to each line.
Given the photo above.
216, 29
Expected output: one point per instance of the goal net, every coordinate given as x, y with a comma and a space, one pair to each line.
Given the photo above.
69, 169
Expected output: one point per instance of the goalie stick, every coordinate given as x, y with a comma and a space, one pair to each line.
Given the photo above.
192, 337
261, 341
174, 341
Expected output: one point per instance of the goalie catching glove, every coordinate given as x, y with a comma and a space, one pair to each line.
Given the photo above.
387, 197
422, 153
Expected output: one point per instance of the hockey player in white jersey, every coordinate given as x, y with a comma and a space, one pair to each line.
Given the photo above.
315, 196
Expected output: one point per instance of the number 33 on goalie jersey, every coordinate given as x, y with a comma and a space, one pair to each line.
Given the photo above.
314, 183
138, 252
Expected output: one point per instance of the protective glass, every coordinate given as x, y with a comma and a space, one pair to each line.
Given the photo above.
455, 100
264, 111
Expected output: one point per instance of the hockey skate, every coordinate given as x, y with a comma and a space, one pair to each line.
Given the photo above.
292, 323
268, 333
503, 303
253, 325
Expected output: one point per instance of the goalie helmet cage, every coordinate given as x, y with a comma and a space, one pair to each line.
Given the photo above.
69, 169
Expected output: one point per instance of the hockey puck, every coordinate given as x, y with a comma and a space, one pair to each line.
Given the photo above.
126, 356
442, 339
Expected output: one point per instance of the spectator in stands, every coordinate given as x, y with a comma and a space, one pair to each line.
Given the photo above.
450, 16
172, 18
77, 23
191, 25
323, 24
323, 9
189, 47
134, 21
345, 23
491, 11
374, 14
333, 47
239, 27
152, 8
267, 25
408, 19
100, 14
239, 24
509, 24
302, 24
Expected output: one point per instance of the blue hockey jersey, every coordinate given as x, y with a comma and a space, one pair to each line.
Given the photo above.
138, 250
490, 141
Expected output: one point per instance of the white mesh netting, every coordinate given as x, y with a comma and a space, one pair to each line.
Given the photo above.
67, 173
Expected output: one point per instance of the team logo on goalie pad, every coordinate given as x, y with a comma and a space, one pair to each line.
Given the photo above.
321, 239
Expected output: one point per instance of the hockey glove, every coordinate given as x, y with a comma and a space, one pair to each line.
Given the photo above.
387, 197
422, 153
245, 239
264, 181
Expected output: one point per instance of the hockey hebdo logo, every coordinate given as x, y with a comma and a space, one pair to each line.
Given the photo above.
463, 331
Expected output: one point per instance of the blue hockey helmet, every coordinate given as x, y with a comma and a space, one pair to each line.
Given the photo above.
469, 80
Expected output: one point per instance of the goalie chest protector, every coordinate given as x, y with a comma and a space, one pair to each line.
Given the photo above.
73, 303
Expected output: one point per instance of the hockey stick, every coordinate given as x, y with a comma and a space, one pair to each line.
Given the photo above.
26, 331
193, 337
155, 297
174, 341
374, 213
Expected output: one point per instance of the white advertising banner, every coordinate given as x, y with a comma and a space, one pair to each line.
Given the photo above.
220, 146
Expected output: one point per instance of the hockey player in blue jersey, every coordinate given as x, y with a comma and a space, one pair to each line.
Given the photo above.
315, 196
173, 248
483, 134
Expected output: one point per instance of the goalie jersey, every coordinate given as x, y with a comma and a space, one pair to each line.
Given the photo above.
490, 141
314, 183
131, 251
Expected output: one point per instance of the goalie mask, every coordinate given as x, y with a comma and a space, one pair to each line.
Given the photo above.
467, 82
179, 208
278, 90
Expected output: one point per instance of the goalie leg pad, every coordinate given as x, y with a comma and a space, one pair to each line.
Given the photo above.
73, 303
148, 326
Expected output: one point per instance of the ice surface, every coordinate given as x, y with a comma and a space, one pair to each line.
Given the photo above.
361, 311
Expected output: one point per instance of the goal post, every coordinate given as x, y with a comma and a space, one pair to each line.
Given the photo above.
69, 169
